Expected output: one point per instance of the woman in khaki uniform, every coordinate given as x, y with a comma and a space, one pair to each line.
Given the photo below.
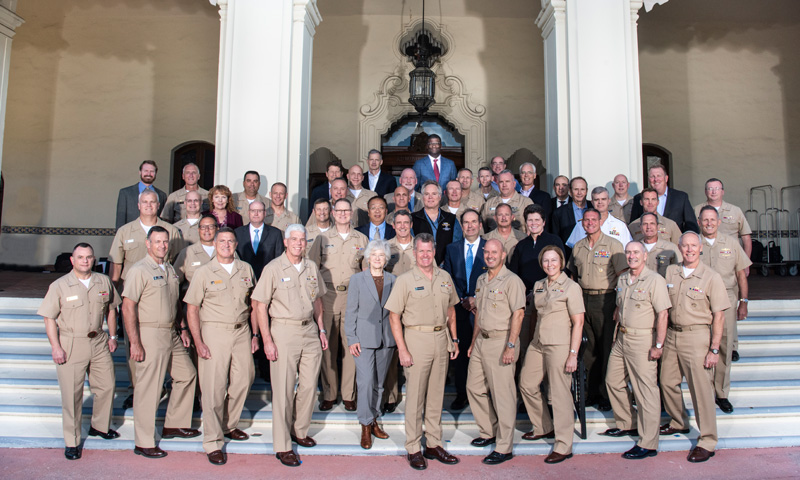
554, 352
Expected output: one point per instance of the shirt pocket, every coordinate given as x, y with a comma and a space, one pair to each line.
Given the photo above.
423, 293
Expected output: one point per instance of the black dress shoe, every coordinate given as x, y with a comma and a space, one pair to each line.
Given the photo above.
237, 434
217, 457
109, 435
533, 436
154, 452
555, 457
482, 442
496, 458
699, 454
724, 405
439, 453
389, 407
668, 429
734, 356
616, 432
326, 405
179, 432
288, 458
417, 461
604, 405
460, 403
72, 453
637, 453
128, 403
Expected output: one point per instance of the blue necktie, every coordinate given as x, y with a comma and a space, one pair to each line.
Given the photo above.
470, 260
411, 204
256, 239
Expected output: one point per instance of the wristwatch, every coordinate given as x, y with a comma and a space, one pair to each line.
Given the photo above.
715, 351
256, 335
322, 330
510, 345
572, 351
744, 300
184, 328
456, 340
659, 345
113, 337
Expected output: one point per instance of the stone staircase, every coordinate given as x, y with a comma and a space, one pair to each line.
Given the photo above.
765, 393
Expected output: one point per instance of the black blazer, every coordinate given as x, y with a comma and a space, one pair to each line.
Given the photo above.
386, 183
541, 198
320, 191
554, 203
677, 209
128, 204
564, 221
525, 259
270, 247
445, 233
455, 264
388, 234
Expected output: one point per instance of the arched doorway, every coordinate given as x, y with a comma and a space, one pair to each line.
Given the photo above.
197, 152
653, 154
406, 141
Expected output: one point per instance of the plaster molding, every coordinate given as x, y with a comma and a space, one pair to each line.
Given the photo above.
9, 21
553, 11
306, 11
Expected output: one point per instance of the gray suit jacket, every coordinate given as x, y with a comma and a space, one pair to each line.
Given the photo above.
128, 204
366, 321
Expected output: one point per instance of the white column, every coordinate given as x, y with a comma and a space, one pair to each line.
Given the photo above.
264, 93
592, 100
9, 21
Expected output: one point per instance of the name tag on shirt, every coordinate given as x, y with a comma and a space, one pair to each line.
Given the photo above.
669, 285
70, 299
216, 282
196, 264
419, 288
286, 279
130, 240
539, 290
158, 277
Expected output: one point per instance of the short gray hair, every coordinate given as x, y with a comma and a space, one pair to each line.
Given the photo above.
689, 232
599, 190
432, 182
525, 165
147, 191
295, 227
380, 245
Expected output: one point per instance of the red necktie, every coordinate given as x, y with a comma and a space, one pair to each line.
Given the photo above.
436, 169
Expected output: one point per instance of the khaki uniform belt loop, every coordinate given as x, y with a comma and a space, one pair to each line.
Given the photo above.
80, 335
156, 325
687, 328
426, 328
287, 321
588, 291
227, 326
494, 333
636, 331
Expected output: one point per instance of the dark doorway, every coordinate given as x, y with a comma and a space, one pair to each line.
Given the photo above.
406, 141
653, 154
199, 153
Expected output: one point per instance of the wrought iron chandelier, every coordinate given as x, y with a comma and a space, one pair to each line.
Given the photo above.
423, 52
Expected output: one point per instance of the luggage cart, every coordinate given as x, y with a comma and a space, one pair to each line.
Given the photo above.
790, 207
767, 225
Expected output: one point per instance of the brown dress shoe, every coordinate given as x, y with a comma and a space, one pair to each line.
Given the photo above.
378, 431
326, 405
699, 454
179, 432
217, 457
366, 437
417, 461
668, 429
349, 405
555, 457
532, 436
307, 442
288, 458
237, 434
154, 452
439, 453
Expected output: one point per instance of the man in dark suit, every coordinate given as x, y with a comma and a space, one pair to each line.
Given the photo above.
377, 228
560, 192
431, 219
435, 167
675, 206
566, 217
128, 200
379, 182
333, 170
527, 173
258, 244
464, 262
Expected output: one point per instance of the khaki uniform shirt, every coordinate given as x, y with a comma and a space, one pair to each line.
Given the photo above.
508, 243
732, 220
312, 232
222, 297
189, 232
154, 290
598, 268
517, 203
289, 294
695, 298
461, 209
726, 257
128, 246
400, 261
174, 208
622, 212
555, 304
492, 193
242, 205
281, 222
354, 216
640, 302
190, 259
360, 207
420, 301
667, 229
498, 299
662, 255
76, 309
338, 259
474, 201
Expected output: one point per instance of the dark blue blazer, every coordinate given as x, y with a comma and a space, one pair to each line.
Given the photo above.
454, 263
388, 234
678, 209
386, 183
320, 191
424, 171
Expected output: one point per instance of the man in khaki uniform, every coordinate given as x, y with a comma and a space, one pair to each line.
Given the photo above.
492, 391
596, 263
622, 202
175, 206
667, 229
191, 217
660, 253
454, 202
401, 198
339, 191
642, 311
73, 310
358, 196
485, 188
321, 212
509, 196
422, 306
129, 246
195, 256
277, 214
508, 236
243, 199
149, 308
338, 253
470, 198
218, 311
724, 254
288, 304
698, 298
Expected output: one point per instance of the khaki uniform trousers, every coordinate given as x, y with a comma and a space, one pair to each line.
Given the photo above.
163, 351
391, 387
83, 352
299, 360
722, 373
492, 391
684, 354
334, 305
549, 360
425, 387
230, 372
629, 361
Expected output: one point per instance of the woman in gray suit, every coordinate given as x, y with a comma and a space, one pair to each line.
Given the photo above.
370, 336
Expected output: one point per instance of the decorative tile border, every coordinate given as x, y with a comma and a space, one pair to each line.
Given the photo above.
75, 231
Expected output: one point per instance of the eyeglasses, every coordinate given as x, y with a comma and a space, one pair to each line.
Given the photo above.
342, 211
257, 210
207, 227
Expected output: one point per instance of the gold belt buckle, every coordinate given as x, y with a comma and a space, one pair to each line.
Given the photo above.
437, 328
623, 329
92, 334
341, 288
